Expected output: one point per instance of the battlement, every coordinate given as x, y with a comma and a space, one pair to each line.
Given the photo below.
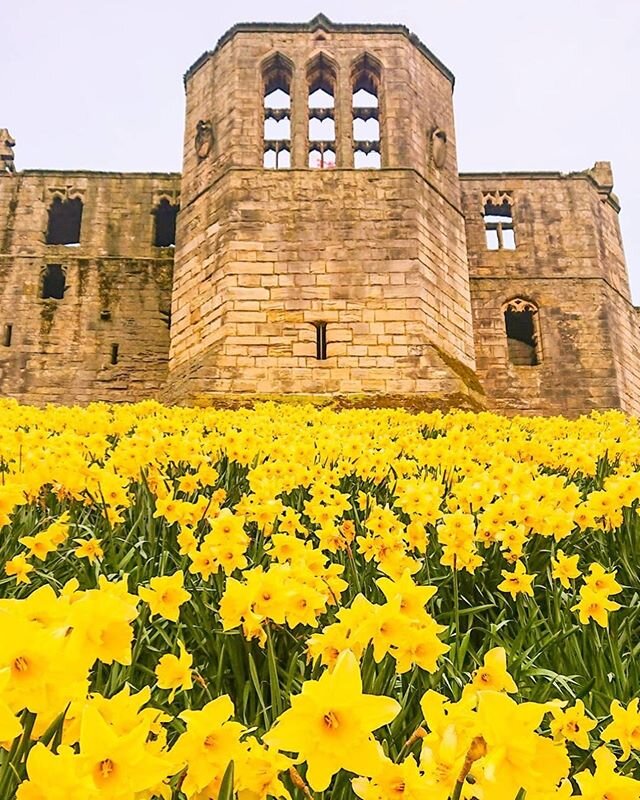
320, 23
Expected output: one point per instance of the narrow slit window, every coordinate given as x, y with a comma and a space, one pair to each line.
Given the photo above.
165, 216
366, 114
321, 77
114, 353
53, 282
321, 340
277, 75
6, 335
498, 223
65, 221
523, 338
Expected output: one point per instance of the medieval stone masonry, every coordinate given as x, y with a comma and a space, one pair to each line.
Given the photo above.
319, 241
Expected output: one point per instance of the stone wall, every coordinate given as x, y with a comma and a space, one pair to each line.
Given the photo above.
569, 262
379, 255
117, 287
393, 261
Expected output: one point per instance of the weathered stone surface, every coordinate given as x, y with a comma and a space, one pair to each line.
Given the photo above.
391, 263
569, 262
117, 286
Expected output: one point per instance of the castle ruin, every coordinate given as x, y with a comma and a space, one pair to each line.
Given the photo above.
319, 241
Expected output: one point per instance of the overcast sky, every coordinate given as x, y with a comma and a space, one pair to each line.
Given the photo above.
540, 84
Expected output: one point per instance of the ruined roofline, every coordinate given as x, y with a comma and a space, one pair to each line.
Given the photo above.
600, 176
100, 173
532, 174
320, 22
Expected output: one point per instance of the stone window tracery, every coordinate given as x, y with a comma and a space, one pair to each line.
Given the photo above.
321, 79
498, 221
366, 113
277, 75
522, 327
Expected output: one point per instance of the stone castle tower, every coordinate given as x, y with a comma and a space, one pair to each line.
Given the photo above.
325, 243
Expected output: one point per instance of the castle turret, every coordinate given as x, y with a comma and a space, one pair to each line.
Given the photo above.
320, 244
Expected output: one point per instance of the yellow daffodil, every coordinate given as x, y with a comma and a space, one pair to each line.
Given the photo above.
165, 595
89, 549
19, 568
174, 672
625, 727
517, 582
330, 724
60, 776
565, 568
493, 675
572, 724
594, 605
605, 782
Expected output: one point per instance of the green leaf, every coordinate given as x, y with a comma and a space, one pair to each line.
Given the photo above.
226, 787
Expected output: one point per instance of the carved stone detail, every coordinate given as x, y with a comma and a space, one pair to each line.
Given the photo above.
496, 199
518, 305
7, 143
204, 138
68, 192
438, 147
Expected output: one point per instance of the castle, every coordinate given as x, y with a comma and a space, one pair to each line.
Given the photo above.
320, 240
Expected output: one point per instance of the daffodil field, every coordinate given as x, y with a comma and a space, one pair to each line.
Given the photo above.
294, 602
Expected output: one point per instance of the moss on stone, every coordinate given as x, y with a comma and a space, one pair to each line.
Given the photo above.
466, 374
413, 403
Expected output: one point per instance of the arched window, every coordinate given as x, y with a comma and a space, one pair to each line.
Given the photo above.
277, 74
165, 215
365, 81
498, 221
321, 79
65, 220
522, 326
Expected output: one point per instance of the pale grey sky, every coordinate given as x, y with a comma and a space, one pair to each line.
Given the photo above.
540, 84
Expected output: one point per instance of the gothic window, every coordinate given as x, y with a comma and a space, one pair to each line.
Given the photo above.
6, 335
53, 282
165, 215
321, 340
521, 323
498, 222
276, 75
65, 220
321, 78
366, 113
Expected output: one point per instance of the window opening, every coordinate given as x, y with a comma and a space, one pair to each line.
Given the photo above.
53, 282
277, 75
165, 216
6, 336
114, 353
366, 114
498, 222
321, 340
65, 221
521, 326
321, 77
